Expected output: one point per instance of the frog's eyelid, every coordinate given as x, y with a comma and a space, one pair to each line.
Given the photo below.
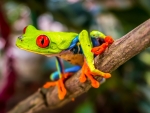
24, 30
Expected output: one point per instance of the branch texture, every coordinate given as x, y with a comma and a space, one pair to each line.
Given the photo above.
118, 53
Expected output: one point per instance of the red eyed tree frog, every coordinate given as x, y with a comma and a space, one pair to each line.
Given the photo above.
79, 49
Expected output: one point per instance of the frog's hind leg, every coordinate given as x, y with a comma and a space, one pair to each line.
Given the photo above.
59, 77
87, 73
89, 69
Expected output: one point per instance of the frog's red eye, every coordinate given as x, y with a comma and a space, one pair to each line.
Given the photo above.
42, 41
24, 30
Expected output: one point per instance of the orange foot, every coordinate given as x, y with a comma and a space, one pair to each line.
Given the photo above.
86, 73
98, 50
59, 83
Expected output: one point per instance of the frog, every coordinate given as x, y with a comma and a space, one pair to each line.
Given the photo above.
79, 49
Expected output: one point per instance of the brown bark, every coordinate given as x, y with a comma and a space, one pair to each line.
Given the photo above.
118, 53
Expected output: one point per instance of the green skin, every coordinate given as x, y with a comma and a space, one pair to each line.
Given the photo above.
59, 41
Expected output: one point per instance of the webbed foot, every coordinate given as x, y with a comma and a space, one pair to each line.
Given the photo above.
100, 49
60, 84
87, 73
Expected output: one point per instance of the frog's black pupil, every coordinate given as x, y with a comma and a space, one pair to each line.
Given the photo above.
42, 41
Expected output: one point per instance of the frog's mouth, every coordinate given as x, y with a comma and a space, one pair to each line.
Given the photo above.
45, 54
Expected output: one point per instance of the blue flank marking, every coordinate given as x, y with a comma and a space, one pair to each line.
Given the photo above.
55, 76
73, 69
95, 42
59, 65
60, 70
74, 42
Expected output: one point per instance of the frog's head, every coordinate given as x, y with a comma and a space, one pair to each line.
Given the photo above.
37, 41
97, 34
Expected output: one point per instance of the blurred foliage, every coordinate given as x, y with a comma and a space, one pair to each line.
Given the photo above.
132, 17
128, 90
86, 107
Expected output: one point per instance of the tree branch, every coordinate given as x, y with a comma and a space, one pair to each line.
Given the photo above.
118, 53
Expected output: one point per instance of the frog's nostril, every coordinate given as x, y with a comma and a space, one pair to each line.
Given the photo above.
20, 38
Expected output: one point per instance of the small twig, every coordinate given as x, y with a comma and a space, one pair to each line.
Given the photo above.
118, 53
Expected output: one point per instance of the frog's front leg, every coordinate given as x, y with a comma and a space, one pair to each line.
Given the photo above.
88, 68
59, 77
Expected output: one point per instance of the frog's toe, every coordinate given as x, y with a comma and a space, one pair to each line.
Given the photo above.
61, 89
82, 78
96, 72
107, 75
95, 84
49, 84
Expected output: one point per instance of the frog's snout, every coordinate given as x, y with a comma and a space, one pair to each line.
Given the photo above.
20, 37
